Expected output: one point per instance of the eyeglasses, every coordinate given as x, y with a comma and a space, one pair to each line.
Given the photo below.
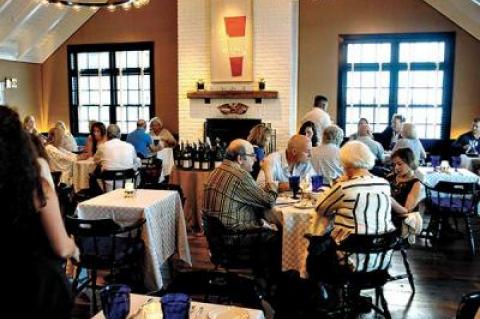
250, 155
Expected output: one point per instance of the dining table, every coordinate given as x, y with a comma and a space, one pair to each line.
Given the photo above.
198, 310
81, 173
164, 233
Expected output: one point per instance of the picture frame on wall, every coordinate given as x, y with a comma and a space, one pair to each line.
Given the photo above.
231, 41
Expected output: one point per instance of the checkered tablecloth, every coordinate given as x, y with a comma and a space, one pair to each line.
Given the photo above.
166, 155
164, 232
430, 177
296, 223
81, 171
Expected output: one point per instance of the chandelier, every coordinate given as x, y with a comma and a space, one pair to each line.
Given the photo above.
111, 5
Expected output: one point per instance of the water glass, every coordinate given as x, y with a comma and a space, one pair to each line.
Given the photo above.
115, 301
176, 306
294, 183
435, 161
317, 182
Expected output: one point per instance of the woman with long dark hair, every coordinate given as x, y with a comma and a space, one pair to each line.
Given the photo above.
98, 135
309, 130
35, 240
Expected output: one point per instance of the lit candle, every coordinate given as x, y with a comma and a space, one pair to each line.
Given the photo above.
129, 186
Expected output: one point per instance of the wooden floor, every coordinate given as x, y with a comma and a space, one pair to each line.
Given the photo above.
440, 278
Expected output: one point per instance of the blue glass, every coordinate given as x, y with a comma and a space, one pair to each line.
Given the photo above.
294, 183
317, 182
456, 162
435, 161
115, 301
176, 306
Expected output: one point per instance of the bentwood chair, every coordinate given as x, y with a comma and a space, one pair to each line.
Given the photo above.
469, 306
105, 245
113, 179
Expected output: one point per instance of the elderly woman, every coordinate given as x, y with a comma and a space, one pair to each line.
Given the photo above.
326, 157
309, 130
161, 136
409, 139
59, 159
259, 137
98, 136
68, 142
359, 203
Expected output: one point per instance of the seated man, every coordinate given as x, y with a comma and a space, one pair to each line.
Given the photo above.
391, 134
233, 195
469, 142
294, 161
141, 140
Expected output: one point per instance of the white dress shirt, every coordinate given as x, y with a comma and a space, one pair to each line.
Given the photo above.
116, 155
281, 171
69, 143
320, 118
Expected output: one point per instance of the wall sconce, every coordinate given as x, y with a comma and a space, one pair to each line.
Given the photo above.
200, 85
11, 83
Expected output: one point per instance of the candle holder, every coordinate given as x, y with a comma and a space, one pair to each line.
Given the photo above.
261, 84
200, 85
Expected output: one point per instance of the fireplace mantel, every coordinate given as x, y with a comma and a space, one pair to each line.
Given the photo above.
256, 95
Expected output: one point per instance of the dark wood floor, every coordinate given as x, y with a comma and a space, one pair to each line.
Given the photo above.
440, 277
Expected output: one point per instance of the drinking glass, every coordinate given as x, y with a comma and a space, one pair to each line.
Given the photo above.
435, 161
294, 183
175, 306
115, 301
456, 162
317, 182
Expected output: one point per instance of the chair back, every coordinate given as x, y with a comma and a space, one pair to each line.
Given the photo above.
98, 240
451, 198
114, 179
469, 306
150, 171
56, 177
369, 253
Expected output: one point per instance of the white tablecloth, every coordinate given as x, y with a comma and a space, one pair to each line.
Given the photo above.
166, 155
431, 177
469, 162
81, 171
164, 231
136, 301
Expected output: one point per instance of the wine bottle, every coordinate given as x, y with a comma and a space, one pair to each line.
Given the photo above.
181, 158
176, 155
195, 157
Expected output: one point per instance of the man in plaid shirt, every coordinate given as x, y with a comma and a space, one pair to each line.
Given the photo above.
232, 193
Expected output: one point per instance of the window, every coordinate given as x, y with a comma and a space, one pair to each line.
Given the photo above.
111, 84
410, 74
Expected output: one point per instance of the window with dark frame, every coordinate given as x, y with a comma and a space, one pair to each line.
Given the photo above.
110, 83
410, 74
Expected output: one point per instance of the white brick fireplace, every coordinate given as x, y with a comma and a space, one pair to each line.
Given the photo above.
275, 28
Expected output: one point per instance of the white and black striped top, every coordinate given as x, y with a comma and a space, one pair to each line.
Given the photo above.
360, 205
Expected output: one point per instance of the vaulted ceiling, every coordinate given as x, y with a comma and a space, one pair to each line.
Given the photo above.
31, 31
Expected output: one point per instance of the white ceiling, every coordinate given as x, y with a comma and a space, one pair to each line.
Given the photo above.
31, 31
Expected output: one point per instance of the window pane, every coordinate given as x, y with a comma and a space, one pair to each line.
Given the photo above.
93, 61
132, 114
367, 96
145, 56
350, 129
105, 114
84, 98
353, 96
381, 115
368, 53
95, 97
133, 97
133, 82
104, 62
82, 61
83, 127
121, 59
146, 98
132, 59
121, 114
422, 52
93, 113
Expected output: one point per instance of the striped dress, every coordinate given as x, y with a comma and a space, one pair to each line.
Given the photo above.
360, 205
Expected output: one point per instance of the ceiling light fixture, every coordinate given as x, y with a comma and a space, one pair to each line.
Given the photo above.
111, 5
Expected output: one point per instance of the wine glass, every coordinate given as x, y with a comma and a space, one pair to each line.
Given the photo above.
435, 161
456, 162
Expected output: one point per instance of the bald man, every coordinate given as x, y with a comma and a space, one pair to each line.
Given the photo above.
141, 141
232, 192
294, 161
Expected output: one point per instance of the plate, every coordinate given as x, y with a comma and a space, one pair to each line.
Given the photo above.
286, 200
301, 205
228, 313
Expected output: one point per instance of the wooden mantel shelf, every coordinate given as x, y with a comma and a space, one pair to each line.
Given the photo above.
256, 95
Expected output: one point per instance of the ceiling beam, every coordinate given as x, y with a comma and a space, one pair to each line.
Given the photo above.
20, 22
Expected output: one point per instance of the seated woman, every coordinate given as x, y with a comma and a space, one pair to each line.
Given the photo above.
38, 243
29, 124
160, 135
259, 136
359, 203
68, 142
98, 136
308, 129
59, 159
406, 189
326, 157
362, 122
409, 139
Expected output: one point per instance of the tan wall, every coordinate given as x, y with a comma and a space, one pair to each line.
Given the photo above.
321, 23
27, 97
156, 22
